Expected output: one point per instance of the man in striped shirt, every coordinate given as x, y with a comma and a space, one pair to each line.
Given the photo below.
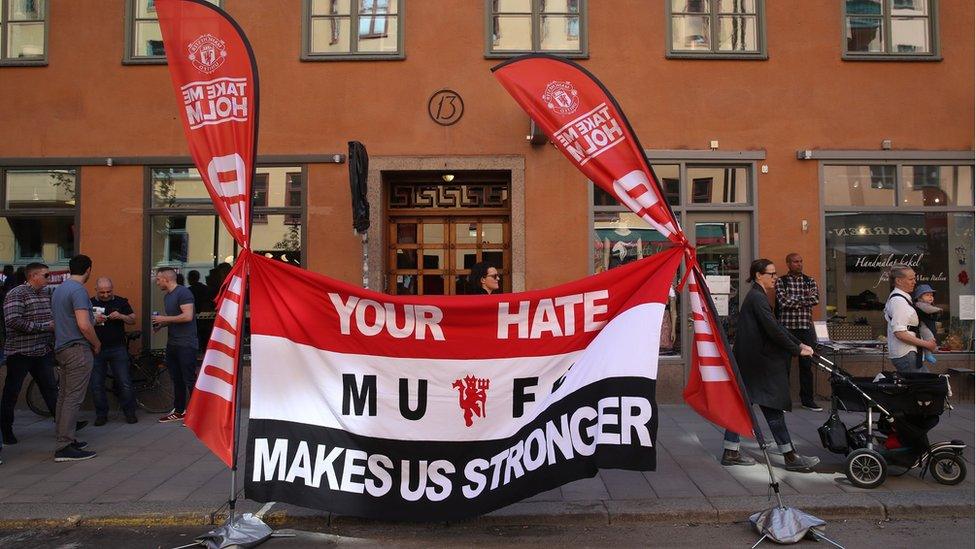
796, 294
29, 345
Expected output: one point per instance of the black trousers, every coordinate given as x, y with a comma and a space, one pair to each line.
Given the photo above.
41, 368
808, 336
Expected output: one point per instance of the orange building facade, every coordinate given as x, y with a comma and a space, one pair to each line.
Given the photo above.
843, 131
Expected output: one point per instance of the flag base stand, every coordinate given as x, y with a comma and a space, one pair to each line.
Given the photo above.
782, 524
245, 530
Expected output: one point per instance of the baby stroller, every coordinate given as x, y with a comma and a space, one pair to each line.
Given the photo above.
908, 406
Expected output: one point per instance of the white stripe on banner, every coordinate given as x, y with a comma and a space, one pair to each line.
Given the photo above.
221, 335
218, 359
228, 311
298, 383
234, 286
707, 348
212, 384
702, 327
713, 373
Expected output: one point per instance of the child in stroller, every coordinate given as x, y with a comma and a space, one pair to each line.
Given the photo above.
908, 407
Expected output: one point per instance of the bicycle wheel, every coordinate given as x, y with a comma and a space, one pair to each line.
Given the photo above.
35, 400
153, 386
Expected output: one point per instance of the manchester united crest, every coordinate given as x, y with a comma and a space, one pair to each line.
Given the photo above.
561, 97
207, 53
472, 397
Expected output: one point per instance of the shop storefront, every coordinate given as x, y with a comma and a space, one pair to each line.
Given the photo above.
878, 214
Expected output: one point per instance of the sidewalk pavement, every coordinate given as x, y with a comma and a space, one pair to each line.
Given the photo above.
151, 473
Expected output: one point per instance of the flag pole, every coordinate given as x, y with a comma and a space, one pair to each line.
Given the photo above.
756, 431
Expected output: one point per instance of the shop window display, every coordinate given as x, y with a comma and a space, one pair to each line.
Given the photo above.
861, 247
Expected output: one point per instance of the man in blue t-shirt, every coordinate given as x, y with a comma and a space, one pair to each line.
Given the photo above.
75, 345
181, 341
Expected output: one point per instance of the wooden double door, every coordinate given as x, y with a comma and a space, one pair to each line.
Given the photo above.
433, 254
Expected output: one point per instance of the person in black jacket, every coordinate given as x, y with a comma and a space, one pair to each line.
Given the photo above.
484, 279
763, 350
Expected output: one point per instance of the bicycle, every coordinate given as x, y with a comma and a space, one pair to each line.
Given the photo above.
151, 383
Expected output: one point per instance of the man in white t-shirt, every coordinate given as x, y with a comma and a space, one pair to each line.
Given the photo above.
903, 340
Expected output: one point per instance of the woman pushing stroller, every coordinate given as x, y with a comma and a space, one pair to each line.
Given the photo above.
763, 350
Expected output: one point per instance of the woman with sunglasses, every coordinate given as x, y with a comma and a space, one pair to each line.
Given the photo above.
763, 350
484, 279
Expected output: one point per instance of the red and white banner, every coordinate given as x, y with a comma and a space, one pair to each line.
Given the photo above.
215, 79
584, 121
423, 408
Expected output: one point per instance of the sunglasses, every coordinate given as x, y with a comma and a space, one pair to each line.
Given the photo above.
495, 276
771, 274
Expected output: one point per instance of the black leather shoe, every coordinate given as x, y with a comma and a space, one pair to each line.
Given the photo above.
79, 445
733, 457
9, 438
131, 418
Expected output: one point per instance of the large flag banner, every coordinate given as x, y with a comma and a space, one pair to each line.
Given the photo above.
584, 121
435, 408
215, 79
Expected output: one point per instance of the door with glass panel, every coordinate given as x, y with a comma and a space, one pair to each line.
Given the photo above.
433, 255
724, 243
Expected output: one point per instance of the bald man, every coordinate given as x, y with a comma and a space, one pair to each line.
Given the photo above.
116, 314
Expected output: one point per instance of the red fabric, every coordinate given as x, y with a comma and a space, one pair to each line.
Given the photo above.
215, 80
584, 122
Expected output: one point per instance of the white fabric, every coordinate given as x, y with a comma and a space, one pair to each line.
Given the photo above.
900, 315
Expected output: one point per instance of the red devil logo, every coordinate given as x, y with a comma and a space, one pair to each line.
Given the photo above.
472, 395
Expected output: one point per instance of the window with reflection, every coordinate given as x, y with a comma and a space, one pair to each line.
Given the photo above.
717, 184
889, 28
38, 217
522, 26
23, 32
343, 28
144, 39
716, 27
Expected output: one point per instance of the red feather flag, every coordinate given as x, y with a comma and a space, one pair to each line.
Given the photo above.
586, 124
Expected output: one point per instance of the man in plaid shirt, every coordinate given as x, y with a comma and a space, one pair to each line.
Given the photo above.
29, 345
796, 294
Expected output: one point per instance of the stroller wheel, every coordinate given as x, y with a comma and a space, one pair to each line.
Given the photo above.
947, 468
866, 468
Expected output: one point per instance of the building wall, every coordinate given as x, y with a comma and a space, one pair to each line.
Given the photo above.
86, 103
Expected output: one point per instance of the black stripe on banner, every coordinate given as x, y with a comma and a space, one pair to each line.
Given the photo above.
610, 424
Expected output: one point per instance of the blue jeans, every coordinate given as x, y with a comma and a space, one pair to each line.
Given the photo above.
116, 358
182, 365
909, 363
777, 424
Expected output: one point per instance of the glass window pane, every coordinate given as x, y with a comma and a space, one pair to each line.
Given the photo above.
25, 10
737, 34
909, 7
148, 40
25, 40
40, 189
910, 35
560, 32
862, 246
513, 6
864, 34
179, 187
690, 6
690, 33
495, 258
512, 33
668, 175
434, 259
330, 35
47, 239
736, 6
433, 233
466, 233
859, 185
465, 259
146, 9
406, 233
378, 7
406, 284
330, 7
937, 185
278, 239
863, 7
279, 190
434, 285
717, 185
560, 6
406, 259
378, 34
491, 233
188, 242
